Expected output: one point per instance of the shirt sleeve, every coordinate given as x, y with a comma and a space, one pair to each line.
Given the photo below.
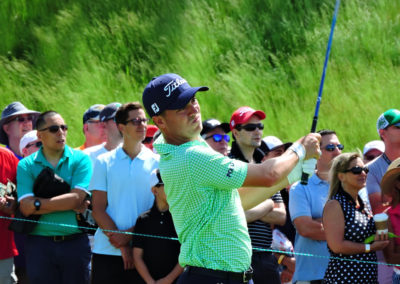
99, 177
372, 184
25, 180
137, 240
83, 172
210, 168
299, 204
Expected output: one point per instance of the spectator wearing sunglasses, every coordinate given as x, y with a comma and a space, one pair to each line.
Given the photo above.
216, 135
55, 254
113, 135
388, 128
29, 143
156, 259
93, 129
348, 222
16, 121
306, 203
372, 150
247, 130
273, 147
148, 140
120, 189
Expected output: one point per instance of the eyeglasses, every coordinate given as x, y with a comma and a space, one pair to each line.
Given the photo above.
219, 137
138, 121
21, 119
357, 170
332, 147
250, 127
37, 144
55, 128
370, 157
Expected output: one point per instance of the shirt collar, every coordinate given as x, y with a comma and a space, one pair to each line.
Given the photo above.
316, 180
40, 158
18, 156
350, 199
122, 155
236, 153
163, 148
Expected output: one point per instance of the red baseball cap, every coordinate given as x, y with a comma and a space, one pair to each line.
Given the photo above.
151, 130
243, 114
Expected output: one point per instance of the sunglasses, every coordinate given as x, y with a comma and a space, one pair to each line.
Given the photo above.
55, 128
357, 170
138, 121
332, 147
147, 140
370, 157
37, 144
22, 119
219, 137
250, 127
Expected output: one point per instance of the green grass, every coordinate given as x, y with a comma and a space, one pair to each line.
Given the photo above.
68, 55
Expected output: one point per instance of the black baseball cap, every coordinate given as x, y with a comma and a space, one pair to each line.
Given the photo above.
109, 111
212, 123
168, 91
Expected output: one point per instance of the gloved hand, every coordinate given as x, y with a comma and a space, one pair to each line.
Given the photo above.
296, 173
309, 166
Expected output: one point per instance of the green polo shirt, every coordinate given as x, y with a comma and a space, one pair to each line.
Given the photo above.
74, 167
201, 188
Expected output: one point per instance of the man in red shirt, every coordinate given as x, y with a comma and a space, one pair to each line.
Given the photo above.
8, 172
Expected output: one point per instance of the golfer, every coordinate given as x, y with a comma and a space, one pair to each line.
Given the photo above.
201, 185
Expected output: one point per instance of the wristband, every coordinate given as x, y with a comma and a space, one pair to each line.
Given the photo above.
299, 150
367, 248
280, 259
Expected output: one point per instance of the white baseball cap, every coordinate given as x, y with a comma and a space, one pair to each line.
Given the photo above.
375, 144
270, 143
27, 138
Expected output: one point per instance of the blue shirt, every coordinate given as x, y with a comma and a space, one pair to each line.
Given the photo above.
127, 183
309, 200
74, 167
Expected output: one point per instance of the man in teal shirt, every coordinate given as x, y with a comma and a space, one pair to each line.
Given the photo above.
54, 253
201, 185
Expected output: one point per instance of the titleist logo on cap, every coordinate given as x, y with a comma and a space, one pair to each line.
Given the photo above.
171, 86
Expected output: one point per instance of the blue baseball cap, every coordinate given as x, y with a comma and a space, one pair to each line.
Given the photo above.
168, 91
93, 113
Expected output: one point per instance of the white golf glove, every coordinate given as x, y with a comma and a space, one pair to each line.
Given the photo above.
309, 166
296, 173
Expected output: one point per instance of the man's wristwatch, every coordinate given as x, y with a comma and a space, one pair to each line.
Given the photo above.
367, 248
37, 204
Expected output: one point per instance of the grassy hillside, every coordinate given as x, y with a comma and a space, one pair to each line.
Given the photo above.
268, 54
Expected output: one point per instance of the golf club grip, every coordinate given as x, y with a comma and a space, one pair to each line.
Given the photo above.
304, 179
304, 176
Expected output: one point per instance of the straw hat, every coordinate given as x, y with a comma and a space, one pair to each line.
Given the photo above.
389, 179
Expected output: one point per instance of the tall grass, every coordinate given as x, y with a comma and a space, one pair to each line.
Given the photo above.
268, 54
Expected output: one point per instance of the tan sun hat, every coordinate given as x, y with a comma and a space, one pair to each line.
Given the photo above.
389, 179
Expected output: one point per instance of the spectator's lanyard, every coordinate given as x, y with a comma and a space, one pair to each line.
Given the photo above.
386, 159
